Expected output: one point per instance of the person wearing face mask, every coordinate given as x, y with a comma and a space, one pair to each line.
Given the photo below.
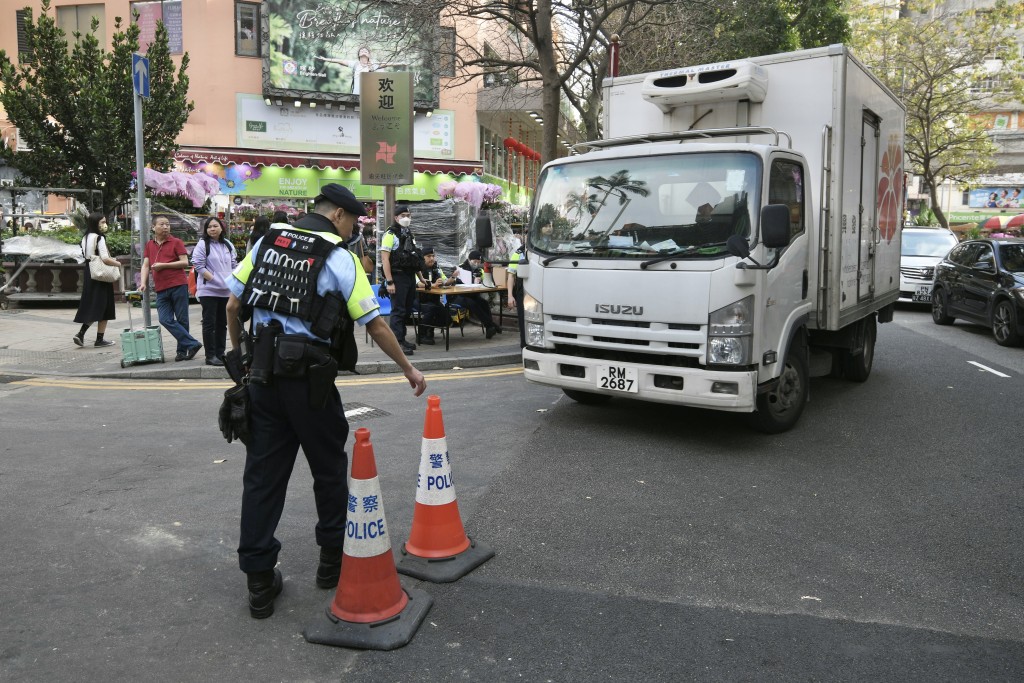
400, 260
304, 290
97, 302
166, 256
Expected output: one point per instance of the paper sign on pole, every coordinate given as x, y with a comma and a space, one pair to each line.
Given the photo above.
386, 135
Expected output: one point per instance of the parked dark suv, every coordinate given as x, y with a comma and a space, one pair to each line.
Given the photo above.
983, 281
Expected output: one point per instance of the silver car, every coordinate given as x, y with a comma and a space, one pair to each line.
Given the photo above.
922, 249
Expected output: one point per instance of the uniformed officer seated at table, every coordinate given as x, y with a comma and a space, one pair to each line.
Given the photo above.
476, 304
432, 311
304, 292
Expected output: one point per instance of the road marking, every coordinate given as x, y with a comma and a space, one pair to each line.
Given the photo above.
987, 369
206, 385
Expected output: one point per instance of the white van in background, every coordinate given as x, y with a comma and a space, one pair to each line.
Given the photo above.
921, 250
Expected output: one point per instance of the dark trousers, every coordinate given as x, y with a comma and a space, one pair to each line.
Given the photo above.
215, 325
172, 310
477, 307
432, 313
401, 302
281, 421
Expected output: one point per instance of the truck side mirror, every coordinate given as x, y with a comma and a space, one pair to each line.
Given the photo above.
737, 246
484, 239
775, 226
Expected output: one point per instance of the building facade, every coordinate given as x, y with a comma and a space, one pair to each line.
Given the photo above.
275, 85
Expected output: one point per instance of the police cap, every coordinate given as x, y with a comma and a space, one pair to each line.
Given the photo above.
342, 197
401, 208
427, 250
474, 256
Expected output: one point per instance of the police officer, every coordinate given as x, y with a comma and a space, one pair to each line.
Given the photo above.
291, 382
515, 289
400, 260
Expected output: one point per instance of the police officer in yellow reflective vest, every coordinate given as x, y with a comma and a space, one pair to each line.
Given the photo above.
305, 290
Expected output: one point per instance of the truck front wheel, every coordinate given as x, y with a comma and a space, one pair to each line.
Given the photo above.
779, 409
586, 398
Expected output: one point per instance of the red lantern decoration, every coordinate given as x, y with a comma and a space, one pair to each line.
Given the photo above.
509, 143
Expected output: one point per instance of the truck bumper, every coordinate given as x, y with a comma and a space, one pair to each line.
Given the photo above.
573, 372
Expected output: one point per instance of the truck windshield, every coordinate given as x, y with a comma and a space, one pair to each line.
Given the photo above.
686, 204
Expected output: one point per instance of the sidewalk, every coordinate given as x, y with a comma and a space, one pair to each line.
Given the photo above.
35, 340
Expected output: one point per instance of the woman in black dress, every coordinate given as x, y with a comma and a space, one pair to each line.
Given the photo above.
97, 303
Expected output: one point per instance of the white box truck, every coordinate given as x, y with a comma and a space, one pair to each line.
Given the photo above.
736, 233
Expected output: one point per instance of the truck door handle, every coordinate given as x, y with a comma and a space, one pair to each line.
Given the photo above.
803, 289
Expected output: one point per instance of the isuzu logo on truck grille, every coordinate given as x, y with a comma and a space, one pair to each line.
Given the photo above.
616, 309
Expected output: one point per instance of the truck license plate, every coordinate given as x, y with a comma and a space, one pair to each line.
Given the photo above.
923, 293
617, 378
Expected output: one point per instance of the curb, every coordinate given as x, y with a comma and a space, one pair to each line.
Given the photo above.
156, 371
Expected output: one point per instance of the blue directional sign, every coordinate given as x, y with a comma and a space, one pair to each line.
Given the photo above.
140, 74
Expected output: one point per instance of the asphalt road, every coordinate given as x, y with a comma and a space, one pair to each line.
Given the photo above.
878, 540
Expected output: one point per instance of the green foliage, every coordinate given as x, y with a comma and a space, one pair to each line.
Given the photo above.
925, 218
720, 30
948, 68
74, 108
972, 233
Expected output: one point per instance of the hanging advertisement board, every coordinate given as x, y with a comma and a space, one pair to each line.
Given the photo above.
330, 131
319, 48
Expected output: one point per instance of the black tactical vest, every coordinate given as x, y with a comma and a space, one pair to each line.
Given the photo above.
284, 275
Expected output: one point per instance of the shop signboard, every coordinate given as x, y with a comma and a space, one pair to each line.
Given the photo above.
319, 48
1004, 197
304, 183
149, 13
330, 131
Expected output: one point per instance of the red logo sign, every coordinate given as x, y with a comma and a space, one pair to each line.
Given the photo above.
386, 152
890, 190
282, 242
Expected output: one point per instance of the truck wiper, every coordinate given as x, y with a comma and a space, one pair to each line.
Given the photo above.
559, 256
688, 251
668, 257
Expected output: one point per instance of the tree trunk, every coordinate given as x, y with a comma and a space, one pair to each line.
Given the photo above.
933, 192
551, 81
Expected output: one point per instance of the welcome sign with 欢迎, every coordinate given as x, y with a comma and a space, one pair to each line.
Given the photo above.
385, 112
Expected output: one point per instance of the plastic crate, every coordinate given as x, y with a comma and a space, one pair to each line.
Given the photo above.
142, 346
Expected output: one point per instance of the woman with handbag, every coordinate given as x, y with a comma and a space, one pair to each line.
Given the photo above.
97, 302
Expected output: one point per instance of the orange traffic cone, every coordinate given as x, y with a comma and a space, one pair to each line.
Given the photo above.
370, 609
438, 549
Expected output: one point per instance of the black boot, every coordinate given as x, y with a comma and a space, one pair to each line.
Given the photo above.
329, 571
263, 588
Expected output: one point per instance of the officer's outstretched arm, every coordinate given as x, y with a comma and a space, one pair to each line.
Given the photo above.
234, 327
385, 339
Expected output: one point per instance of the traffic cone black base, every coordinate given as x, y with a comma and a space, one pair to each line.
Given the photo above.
387, 634
444, 569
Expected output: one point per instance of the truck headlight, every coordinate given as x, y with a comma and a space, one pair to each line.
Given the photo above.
533, 316
730, 333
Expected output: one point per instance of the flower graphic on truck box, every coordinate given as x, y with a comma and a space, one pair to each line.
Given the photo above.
890, 189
